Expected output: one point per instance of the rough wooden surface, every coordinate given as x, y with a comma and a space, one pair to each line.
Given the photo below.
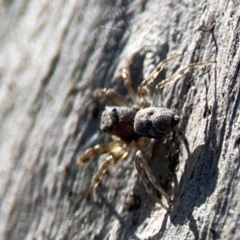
47, 48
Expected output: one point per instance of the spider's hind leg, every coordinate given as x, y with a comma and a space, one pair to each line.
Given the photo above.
112, 158
117, 99
110, 94
97, 150
128, 85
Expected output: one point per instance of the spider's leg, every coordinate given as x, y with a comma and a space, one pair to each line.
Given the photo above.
148, 180
179, 74
112, 158
128, 85
144, 85
112, 95
98, 150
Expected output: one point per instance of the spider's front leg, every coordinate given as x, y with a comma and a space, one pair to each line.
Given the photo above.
177, 76
143, 87
182, 72
149, 180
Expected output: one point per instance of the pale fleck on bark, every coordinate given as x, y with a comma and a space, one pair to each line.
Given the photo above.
50, 47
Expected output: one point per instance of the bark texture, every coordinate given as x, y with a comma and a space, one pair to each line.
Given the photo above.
48, 48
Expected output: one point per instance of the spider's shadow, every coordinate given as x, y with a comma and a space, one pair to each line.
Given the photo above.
136, 67
140, 205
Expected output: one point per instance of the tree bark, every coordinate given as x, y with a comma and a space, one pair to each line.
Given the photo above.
54, 54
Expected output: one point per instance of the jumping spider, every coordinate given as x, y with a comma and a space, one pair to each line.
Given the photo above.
134, 125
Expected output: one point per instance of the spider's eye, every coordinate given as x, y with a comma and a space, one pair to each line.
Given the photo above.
150, 113
174, 120
154, 122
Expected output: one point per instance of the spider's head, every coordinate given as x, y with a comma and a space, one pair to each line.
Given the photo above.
154, 122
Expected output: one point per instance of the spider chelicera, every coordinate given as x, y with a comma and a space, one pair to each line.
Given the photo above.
133, 125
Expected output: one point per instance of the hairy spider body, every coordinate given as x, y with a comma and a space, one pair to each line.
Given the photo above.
154, 122
131, 123
119, 121
133, 126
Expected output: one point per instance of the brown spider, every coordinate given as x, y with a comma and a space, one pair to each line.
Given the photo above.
134, 125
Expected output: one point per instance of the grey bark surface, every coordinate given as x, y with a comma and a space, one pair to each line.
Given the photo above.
48, 48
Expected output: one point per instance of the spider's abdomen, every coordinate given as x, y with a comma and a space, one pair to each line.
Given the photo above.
119, 121
154, 122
